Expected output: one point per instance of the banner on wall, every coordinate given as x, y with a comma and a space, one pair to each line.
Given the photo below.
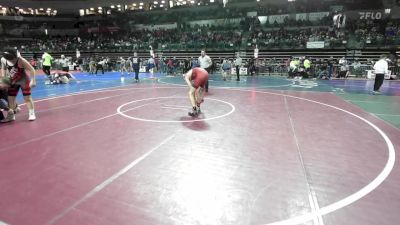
315, 44
263, 19
277, 18
251, 14
370, 15
316, 16
367, 15
225, 21
242, 71
156, 27
301, 17
100, 29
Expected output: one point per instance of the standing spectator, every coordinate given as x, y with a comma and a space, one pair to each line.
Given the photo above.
47, 60
238, 64
92, 65
194, 63
151, 63
163, 62
344, 68
176, 65
187, 65
252, 67
380, 69
122, 66
331, 64
226, 68
205, 63
170, 65
79, 61
182, 66
129, 66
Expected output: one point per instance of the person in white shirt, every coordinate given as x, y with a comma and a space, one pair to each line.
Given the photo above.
344, 68
380, 69
64, 63
205, 63
238, 64
151, 64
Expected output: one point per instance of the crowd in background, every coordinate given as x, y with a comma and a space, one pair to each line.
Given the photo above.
298, 66
356, 34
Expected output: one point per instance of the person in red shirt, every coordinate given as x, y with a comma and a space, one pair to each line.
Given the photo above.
196, 79
14, 77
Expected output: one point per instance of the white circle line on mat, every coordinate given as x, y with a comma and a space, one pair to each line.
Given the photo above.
121, 112
353, 197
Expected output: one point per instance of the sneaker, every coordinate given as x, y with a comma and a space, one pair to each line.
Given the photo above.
198, 110
193, 113
10, 117
376, 92
17, 110
32, 116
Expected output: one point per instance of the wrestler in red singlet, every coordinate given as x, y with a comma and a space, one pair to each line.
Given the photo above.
199, 77
196, 79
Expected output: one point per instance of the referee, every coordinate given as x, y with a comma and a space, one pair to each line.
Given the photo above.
380, 69
238, 64
205, 63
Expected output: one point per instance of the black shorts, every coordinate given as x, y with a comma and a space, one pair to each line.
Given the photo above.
342, 74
